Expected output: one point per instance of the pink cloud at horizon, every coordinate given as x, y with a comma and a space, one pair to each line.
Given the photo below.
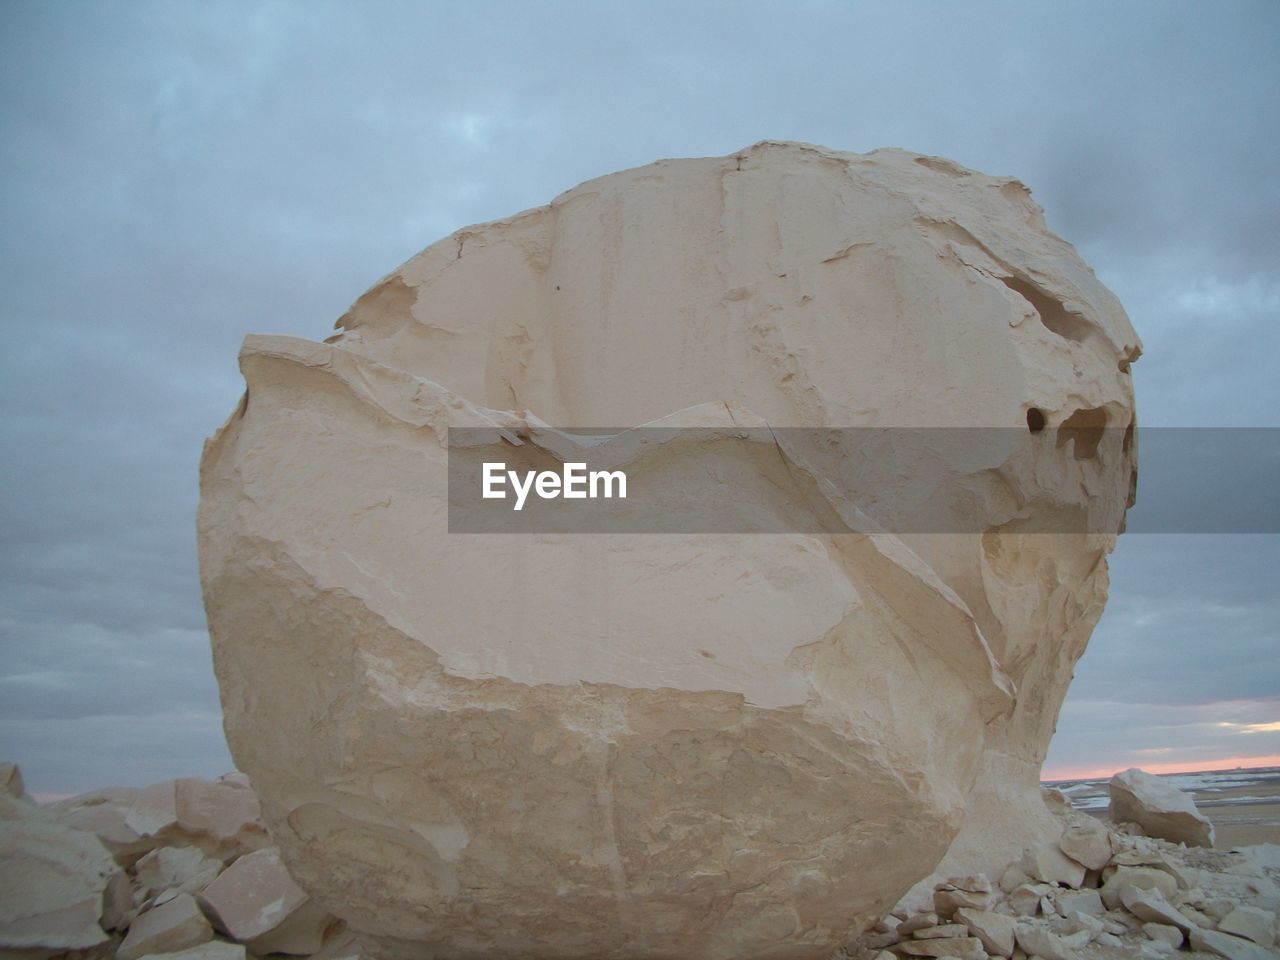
1168, 766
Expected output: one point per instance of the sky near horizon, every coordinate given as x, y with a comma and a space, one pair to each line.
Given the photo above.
176, 175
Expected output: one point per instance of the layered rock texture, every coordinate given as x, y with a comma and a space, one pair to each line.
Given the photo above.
710, 746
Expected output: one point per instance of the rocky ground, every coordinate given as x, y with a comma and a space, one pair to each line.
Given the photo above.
1103, 891
184, 870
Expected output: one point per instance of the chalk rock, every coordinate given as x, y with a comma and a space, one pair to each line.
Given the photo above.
256, 902
118, 905
1043, 942
221, 818
185, 869
1143, 878
52, 882
1159, 808
213, 950
947, 899
1151, 906
103, 813
995, 930
1088, 842
919, 922
1163, 933
1049, 864
1078, 901
1251, 923
1225, 945
175, 925
696, 744
961, 948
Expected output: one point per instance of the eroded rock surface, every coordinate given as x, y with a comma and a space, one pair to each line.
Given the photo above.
703, 746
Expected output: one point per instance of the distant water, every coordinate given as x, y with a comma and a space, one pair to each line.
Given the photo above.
1210, 788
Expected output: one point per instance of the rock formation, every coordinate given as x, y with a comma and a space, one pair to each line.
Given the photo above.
692, 745
1159, 808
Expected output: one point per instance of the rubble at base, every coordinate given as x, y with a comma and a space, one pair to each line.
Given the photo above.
207, 885
178, 870
1150, 898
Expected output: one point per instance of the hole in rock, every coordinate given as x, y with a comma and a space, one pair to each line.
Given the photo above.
1085, 428
1035, 419
1059, 320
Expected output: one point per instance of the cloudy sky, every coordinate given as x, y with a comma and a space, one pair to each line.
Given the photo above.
176, 175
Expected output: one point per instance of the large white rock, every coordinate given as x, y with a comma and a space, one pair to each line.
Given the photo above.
1159, 808
52, 881
685, 745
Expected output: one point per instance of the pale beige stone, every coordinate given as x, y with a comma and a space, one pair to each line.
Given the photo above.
948, 899
345, 945
102, 813
1079, 901
942, 930
185, 869
117, 902
962, 948
1163, 933
222, 818
1159, 808
173, 926
213, 950
917, 922
1251, 923
1026, 899
688, 745
256, 902
1144, 878
52, 882
1049, 864
1013, 877
1087, 842
1225, 945
973, 883
1151, 906
1076, 921
1219, 907
1042, 942
996, 931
